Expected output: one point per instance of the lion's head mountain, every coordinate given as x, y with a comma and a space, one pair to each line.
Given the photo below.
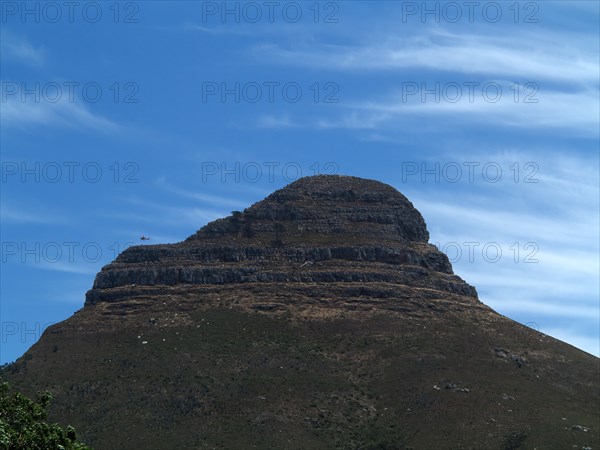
317, 318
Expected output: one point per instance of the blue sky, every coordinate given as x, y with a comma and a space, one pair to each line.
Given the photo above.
155, 118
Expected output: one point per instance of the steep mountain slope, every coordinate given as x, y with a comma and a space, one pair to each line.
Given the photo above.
318, 318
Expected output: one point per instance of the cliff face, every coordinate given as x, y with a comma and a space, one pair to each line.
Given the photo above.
318, 318
318, 229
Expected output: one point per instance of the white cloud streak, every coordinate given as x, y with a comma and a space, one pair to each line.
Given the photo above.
16, 49
19, 114
560, 214
11, 215
526, 56
564, 67
554, 110
217, 201
73, 268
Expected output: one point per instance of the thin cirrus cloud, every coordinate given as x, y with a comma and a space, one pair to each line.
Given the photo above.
559, 214
355, 120
216, 201
573, 112
10, 215
145, 211
217, 30
552, 109
544, 279
68, 267
49, 108
539, 57
562, 191
498, 216
563, 69
18, 114
271, 121
16, 49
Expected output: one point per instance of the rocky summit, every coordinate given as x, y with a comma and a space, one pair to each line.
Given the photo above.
317, 318
322, 229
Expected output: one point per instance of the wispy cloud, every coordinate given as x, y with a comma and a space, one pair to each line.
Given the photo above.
18, 49
245, 29
18, 114
553, 109
11, 215
563, 67
214, 200
271, 121
73, 268
238, 30
354, 120
513, 223
576, 112
146, 211
526, 56
559, 214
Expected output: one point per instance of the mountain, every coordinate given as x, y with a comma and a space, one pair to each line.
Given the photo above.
317, 318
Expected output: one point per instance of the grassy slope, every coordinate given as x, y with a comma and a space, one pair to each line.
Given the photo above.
222, 373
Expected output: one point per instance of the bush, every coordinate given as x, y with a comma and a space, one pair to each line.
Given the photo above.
22, 425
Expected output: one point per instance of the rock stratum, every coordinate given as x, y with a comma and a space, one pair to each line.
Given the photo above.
324, 229
317, 318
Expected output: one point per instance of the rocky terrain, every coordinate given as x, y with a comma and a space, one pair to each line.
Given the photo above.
318, 318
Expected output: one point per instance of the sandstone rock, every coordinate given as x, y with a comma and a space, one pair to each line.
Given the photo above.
330, 229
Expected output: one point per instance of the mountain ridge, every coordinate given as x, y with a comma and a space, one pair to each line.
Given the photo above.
318, 318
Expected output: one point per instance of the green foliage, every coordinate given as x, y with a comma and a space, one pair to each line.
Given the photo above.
22, 425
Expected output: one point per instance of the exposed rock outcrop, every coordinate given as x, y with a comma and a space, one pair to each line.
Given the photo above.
326, 228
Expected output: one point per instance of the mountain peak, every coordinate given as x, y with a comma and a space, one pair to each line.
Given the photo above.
319, 229
334, 206
320, 318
